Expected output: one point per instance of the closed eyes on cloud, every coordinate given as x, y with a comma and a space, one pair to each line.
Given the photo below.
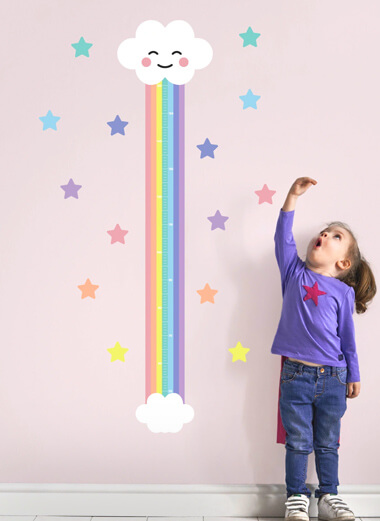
164, 66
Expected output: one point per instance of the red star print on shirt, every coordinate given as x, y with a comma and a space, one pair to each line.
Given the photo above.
313, 293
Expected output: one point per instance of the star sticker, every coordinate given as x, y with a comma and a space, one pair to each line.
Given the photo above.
239, 352
265, 195
249, 37
117, 234
207, 294
49, 120
313, 293
117, 352
250, 99
71, 189
207, 149
88, 289
81, 47
117, 126
218, 220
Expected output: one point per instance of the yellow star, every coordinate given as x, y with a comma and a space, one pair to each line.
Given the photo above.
239, 352
117, 352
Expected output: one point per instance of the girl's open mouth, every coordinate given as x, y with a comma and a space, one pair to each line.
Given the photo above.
318, 244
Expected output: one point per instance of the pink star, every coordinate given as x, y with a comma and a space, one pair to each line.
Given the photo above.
313, 293
117, 234
265, 195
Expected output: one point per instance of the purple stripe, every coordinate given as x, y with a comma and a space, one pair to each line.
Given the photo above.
181, 197
176, 282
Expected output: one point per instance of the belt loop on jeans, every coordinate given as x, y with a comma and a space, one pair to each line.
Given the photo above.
333, 370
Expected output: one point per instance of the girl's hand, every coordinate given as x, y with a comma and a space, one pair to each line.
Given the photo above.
353, 389
301, 184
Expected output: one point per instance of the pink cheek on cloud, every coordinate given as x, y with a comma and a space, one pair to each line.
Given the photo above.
184, 62
146, 62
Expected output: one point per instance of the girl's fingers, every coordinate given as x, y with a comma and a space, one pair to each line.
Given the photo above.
308, 180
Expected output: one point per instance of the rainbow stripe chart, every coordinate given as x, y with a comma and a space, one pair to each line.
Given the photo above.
165, 59
165, 239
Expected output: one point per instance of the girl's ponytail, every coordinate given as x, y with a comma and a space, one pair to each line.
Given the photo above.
359, 275
364, 285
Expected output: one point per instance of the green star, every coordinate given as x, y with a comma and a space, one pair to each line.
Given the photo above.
81, 48
249, 37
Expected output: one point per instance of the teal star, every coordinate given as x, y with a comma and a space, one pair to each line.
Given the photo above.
249, 37
250, 100
81, 48
49, 121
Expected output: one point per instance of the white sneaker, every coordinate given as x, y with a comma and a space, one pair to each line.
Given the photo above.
332, 507
297, 507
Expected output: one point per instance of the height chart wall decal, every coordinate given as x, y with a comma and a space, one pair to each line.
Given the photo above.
165, 59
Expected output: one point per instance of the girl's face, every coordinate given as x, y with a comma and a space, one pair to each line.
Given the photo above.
328, 249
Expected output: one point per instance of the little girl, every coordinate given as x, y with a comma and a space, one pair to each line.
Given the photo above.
316, 338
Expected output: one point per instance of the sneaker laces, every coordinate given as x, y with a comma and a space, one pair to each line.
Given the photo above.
296, 502
337, 503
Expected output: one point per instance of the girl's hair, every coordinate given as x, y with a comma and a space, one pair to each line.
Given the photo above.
359, 275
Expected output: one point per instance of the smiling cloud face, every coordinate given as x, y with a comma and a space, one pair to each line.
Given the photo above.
160, 52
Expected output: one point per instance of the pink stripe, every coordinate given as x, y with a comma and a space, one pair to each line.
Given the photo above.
147, 242
153, 266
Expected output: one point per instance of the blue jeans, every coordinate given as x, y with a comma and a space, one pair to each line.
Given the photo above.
312, 402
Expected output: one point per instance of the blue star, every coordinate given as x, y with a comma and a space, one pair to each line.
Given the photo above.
117, 126
250, 100
49, 121
207, 149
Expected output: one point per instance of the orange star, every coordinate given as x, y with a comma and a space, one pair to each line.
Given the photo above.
207, 294
88, 289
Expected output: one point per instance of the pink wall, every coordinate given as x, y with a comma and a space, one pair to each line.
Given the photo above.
67, 412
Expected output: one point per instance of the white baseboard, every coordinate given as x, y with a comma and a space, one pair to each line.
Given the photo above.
169, 500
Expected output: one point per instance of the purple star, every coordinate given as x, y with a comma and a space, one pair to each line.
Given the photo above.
218, 220
117, 126
71, 189
207, 149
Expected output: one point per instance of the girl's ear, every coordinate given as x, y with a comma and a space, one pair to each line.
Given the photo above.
344, 264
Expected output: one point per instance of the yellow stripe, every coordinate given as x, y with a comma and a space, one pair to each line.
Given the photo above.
159, 236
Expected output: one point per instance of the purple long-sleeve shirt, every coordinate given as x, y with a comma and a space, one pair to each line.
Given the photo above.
316, 323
